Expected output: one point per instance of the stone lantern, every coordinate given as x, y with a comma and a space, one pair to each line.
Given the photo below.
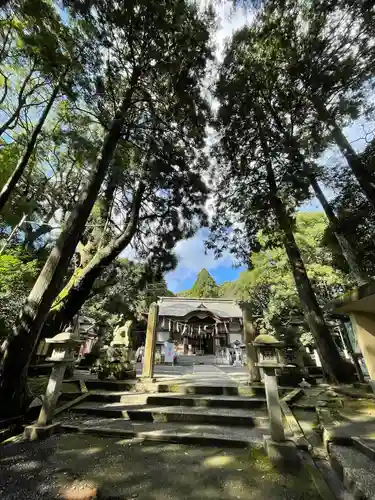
267, 349
64, 345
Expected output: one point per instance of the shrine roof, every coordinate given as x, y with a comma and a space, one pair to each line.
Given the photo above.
181, 306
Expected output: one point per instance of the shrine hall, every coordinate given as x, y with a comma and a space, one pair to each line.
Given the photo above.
199, 326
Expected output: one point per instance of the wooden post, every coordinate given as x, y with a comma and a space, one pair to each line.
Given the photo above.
249, 337
149, 356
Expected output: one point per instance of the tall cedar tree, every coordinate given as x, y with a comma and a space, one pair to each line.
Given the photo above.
167, 206
326, 54
33, 36
159, 42
257, 191
290, 107
204, 286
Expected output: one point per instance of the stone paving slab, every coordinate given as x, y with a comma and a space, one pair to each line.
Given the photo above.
121, 470
212, 397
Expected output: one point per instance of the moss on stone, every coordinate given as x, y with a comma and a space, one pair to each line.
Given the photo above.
266, 339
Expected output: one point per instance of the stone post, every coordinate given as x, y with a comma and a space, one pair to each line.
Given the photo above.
149, 355
268, 354
352, 354
273, 405
52, 393
249, 337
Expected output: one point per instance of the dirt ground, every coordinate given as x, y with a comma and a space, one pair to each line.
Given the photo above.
78, 467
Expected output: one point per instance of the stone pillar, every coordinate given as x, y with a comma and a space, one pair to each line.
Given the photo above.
52, 393
249, 337
350, 349
317, 358
149, 355
273, 405
364, 328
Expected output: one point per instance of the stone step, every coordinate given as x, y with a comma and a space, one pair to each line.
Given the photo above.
201, 415
365, 445
176, 399
117, 396
111, 385
212, 389
209, 435
355, 468
206, 401
68, 396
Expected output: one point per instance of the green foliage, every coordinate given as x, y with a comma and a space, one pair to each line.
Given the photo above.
204, 286
159, 148
17, 275
146, 62
131, 290
270, 286
355, 211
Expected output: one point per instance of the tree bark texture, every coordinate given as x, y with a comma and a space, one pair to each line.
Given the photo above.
79, 289
250, 335
346, 247
333, 365
24, 160
22, 98
22, 342
365, 180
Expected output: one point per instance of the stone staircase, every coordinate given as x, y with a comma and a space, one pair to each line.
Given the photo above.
218, 412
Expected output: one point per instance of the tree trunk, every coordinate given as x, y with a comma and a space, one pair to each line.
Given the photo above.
78, 290
365, 180
22, 342
24, 160
328, 351
333, 365
250, 335
346, 248
21, 98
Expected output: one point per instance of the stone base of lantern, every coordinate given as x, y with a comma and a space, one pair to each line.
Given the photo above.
283, 454
37, 432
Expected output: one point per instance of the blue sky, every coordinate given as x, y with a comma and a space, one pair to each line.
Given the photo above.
191, 252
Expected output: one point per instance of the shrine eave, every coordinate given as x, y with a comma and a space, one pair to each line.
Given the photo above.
180, 307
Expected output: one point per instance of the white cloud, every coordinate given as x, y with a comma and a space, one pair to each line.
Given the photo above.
191, 253
192, 258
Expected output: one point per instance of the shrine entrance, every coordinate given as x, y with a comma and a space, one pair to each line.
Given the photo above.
198, 326
199, 336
